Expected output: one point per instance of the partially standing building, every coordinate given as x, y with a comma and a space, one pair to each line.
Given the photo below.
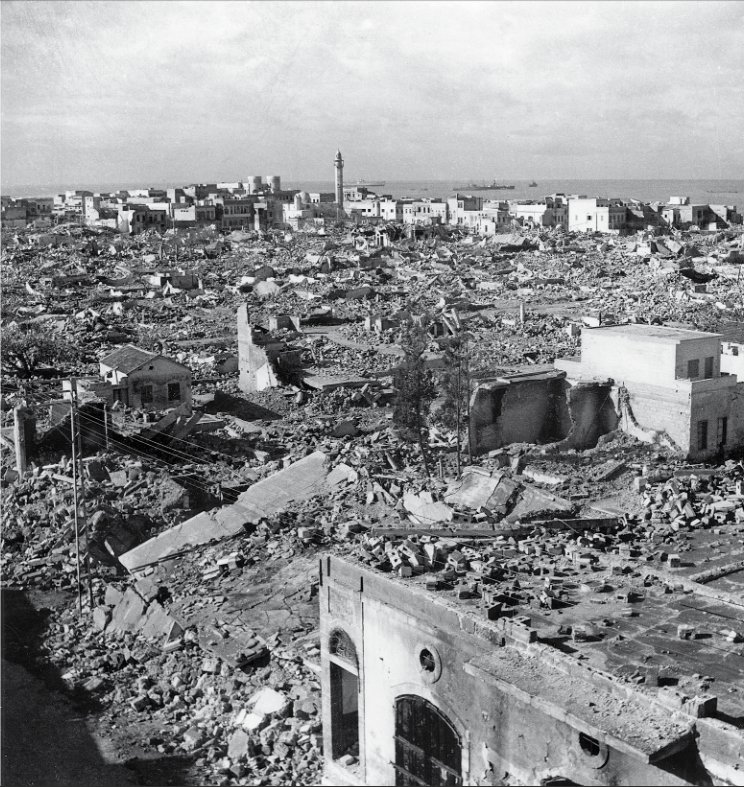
665, 381
435, 675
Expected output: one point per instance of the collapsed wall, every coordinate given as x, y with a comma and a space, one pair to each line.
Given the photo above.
592, 413
263, 361
540, 408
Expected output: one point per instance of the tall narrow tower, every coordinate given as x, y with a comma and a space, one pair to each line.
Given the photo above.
338, 164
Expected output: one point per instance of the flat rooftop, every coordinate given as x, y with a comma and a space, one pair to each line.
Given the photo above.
652, 605
656, 333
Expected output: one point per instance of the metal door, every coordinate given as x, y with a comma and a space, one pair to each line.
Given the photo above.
427, 747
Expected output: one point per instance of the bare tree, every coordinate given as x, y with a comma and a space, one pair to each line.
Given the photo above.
414, 388
24, 351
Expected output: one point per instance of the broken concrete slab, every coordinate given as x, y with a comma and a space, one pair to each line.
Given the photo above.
533, 500
128, 613
342, 474
267, 701
482, 489
299, 481
425, 510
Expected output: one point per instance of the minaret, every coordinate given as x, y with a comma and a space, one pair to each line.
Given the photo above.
338, 164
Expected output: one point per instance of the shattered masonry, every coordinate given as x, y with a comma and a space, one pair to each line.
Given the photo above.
278, 589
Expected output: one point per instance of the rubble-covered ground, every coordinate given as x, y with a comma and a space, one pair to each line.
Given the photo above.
203, 668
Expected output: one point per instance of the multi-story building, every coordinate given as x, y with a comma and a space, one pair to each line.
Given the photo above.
133, 219
236, 213
391, 210
679, 212
595, 215
14, 216
665, 383
541, 214
461, 206
424, 211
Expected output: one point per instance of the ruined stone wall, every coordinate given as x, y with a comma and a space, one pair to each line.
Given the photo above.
661, 410
523, 411
592, 413
162, 373
711, 406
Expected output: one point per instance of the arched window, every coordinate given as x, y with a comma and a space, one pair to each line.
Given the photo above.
427, 747
341, 646
344, 695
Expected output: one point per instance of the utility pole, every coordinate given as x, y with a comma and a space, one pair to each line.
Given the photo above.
73, 442
459, 407
467, 388
79, 499
105, 425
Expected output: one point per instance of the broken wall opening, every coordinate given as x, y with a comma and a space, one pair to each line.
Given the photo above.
344, 685
518, 411
592, 413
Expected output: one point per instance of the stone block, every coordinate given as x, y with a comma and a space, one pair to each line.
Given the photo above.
112, 596
128, 613
238, 745
267, 701
101, 617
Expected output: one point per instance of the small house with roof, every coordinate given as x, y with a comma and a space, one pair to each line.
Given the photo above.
145, 380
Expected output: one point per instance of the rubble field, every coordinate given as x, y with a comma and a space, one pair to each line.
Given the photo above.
193, 649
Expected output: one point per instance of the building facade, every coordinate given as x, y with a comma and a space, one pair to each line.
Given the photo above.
666, 381
423, 686
145, 380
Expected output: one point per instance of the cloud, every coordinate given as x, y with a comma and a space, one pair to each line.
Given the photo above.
170, 91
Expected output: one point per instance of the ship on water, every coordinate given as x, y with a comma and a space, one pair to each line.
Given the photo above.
532, 185
494, 186
366, 184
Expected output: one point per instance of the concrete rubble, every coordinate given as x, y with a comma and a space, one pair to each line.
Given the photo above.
202, 637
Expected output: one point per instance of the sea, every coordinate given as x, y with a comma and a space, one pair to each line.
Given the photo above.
714, 192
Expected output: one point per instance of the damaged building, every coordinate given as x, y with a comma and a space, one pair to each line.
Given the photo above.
263, 360
666, 384
539, 407
659, 383
143, 380
436, 679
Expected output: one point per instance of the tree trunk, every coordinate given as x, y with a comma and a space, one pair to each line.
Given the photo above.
424, 457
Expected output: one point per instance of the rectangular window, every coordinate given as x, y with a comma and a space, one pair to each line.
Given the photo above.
693, 369
709, 368
174, 392
702, 435
146, 394
722, 431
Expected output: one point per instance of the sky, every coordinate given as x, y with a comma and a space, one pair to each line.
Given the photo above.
153, 92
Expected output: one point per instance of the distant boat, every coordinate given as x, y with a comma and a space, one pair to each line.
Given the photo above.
494, 186
532, 185
366, 185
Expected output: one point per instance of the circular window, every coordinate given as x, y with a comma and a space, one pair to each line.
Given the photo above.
429, 663
593, 750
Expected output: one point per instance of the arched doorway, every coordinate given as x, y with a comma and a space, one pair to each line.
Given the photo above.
344, 695
428, 752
